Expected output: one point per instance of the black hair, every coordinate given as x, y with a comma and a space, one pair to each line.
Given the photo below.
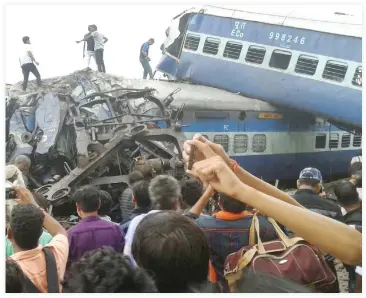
88, 198
135, 176
346, 193
267, 283
173, 250
191, 190
140, 191
25, 39
106, 271
231, 205
308, 182
14, 277
152, 39
106, 203
26, 224
355, 170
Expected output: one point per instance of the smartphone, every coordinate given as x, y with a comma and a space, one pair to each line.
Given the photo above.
191, 157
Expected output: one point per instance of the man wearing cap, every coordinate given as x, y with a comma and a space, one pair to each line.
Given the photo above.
309, 187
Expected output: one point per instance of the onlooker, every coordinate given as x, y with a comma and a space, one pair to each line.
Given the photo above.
310, 186
106, 203
141, 199
227, 231
27, 61
89, 43
173, 250
144, 58
125, 201
14, 277
91, 232
191, 190
99, 41
23, 163
356, 174
106, 271
45, 237
24, 232
348, 198
164, 194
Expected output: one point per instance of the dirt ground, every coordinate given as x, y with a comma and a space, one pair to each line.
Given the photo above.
342, 276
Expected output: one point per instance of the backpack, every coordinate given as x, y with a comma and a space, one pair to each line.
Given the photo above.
52, 276
290, 258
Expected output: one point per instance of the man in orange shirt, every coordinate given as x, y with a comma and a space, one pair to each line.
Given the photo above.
27, 220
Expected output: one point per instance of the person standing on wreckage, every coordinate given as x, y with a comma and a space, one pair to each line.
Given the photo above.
88, 53
144, 58
27, 62
99, 41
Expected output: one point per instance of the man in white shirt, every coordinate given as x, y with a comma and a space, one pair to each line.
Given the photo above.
99, 41
27, 61
165, 194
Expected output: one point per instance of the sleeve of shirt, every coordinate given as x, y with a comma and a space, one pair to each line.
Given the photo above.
60, 247
145, 47
129, 236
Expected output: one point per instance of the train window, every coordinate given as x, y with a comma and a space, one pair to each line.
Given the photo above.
357, 78
232, 50
280, 59
333, 140
346, 140
306, 65
259, 143
192, 42
240, 143
223, 140
211, 46
335, 71
357, 141
255, 54
320, 141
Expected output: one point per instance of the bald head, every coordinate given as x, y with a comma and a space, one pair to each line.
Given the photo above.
22, 162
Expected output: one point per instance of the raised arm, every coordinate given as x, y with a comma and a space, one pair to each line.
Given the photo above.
317, 229
86, 37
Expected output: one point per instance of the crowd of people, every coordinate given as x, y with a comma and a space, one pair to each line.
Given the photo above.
176, 236
94, 42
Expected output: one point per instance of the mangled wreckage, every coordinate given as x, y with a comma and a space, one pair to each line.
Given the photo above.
87, 128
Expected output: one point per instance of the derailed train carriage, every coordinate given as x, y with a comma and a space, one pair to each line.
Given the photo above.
84, 129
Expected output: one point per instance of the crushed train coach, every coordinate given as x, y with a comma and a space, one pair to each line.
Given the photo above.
85, 129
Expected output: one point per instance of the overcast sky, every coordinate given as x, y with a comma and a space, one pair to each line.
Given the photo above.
53, 30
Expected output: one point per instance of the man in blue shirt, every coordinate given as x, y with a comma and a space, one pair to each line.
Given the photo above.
144, 58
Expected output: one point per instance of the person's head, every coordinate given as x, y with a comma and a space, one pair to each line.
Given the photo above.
106, 203
87, 201
25, 229
22, 162
164, 193
26, 40
106, 271
347, 195
140, 192
230, 205
310, 178
134, 177
191, 190
14, 277
173, 250
92, 28
151, 41
11, 173
356, 173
